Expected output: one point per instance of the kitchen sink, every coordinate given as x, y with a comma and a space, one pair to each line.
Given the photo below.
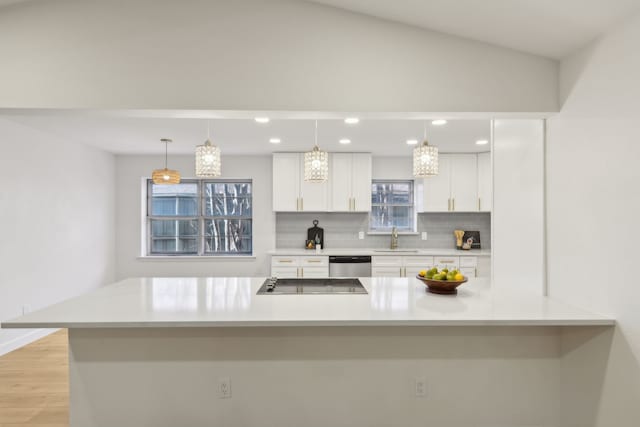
275, 286
397, 251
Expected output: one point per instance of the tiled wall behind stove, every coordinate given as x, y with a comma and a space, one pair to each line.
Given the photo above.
341, 230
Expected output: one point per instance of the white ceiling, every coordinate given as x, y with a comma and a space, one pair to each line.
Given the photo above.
551, 28
126, 135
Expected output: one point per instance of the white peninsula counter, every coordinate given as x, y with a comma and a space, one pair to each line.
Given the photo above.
227, 302
211, 352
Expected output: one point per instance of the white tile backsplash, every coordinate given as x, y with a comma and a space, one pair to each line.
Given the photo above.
341, 230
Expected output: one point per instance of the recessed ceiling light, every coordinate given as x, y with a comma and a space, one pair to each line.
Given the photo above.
482, 142
345, 141
439, 122
352, 120
262, 119
274, 140
412, 141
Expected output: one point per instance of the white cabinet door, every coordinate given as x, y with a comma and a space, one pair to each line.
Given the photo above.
469, 272
313, 195
340, 176
361, 182
484, 182
315, 272
447, 262
386, 271
437, 189
284, 272
464, 183
286, 182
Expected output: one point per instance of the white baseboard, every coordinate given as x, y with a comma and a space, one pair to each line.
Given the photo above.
28, 337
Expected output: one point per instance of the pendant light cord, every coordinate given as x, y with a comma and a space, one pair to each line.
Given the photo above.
316, 133
166, 154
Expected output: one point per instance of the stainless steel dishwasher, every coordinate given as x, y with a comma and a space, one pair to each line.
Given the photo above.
349, 266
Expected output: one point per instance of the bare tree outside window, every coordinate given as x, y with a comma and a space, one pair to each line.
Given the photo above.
392, 205
200, 217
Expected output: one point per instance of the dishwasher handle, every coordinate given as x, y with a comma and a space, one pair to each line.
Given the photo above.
349, 259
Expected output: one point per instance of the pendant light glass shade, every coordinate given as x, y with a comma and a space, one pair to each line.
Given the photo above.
166, 175
208, 163
425, 159
208, 160
316, 163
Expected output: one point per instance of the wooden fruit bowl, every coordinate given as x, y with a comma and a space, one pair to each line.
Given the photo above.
443, 287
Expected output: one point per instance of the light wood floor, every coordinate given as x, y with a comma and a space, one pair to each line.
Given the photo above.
34, 384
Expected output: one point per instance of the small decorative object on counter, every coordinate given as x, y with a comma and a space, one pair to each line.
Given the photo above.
475, 239
310, 244
459, 234
467, 244
316, 234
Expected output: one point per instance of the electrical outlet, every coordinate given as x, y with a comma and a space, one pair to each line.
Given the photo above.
26, 309
224, 388
421, 387
424, 235
361, 235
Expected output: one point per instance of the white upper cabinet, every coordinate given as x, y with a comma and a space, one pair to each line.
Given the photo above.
291, 193
484, 182
464, 183
286, 182
350, 182
340, 175
460, 186
361, 182
437, 189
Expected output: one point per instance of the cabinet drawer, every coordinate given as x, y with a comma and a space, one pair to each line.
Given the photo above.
446, 262
314, 261
284, 261
284, 272
385, 272
468, 261
386, 261
315, 272
468, 271
425, 262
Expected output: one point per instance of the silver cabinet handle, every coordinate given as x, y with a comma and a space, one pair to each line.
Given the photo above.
454, 204
479, 204
354, 203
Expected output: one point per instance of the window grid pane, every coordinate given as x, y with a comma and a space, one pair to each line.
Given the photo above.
203, 217
392, 206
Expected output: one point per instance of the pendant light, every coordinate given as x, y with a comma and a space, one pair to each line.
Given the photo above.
425, 159
316, 163
208, 159
165, 176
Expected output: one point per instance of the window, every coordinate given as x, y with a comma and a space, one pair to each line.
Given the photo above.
200, 217
392, 205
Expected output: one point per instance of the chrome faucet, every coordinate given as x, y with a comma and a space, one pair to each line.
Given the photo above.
394, 238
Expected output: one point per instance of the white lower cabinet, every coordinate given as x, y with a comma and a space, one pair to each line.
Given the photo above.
410, 266
386, 271
284, 272
299, 266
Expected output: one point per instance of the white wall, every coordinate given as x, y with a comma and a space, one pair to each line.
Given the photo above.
130, 172
518, 205
57, 210
253, 55
593, 213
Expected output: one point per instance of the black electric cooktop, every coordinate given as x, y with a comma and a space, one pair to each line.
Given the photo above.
274, 286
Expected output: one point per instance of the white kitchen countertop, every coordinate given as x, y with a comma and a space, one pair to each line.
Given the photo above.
381, 251
225, 302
